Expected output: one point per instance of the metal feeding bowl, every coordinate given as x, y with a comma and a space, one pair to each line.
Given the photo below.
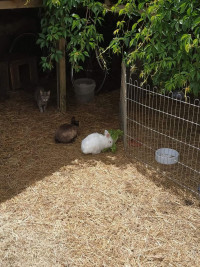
166, 156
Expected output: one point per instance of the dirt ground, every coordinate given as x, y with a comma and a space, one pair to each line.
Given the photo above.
60, 207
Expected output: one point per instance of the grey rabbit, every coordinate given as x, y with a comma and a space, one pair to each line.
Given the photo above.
67, 133
42, 98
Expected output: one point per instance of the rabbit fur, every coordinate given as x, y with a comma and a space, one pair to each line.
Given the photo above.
95, 143
66, 133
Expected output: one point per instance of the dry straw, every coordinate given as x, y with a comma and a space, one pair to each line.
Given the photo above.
62, 208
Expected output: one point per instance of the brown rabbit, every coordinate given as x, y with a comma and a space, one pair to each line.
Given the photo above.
67, 133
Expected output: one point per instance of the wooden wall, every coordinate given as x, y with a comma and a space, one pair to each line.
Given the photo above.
12, 4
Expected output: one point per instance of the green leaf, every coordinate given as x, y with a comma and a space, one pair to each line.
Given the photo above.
134, 26
115, 134
196, 22
195, 88
183, 7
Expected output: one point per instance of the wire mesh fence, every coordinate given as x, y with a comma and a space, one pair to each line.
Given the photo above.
162, 130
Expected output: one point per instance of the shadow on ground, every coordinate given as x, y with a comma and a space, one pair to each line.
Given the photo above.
29, 153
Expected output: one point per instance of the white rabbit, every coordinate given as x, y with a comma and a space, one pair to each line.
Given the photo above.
94, 143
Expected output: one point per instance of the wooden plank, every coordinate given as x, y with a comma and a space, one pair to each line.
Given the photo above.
107, 2
61, 77
14, 4
4, 79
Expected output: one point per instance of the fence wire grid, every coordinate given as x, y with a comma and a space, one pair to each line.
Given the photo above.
152, 120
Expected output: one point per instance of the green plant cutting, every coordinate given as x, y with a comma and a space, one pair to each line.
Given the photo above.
115, 134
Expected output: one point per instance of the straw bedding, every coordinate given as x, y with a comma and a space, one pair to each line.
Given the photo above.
62, 208
149, 129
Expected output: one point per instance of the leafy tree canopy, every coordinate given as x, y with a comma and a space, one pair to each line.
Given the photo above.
66, 19
164, 35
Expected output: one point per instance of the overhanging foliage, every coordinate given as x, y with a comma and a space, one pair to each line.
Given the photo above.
164, 35
74, 20
165, 38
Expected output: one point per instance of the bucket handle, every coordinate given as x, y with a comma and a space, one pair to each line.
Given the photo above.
104, 69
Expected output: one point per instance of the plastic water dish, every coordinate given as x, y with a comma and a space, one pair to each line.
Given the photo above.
166, 156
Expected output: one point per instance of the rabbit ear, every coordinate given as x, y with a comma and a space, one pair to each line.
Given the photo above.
106, 133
